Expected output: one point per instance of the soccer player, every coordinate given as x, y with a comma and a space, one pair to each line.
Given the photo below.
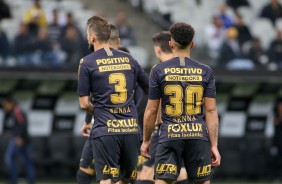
111, 76
184, 86
86, 166
163, 52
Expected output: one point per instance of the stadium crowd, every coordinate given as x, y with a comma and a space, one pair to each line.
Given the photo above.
56, 43
235, 34
228, 40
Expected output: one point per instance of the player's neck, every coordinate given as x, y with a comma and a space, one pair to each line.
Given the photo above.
166, 57
101, 46
181, 53
114, 46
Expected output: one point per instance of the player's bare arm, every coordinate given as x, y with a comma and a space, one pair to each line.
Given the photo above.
212, 124
159, 115
88, 107
150, 117
85, 104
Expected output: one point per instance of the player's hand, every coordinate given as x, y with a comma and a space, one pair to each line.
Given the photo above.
85, 128
215, 156
19, 141
145, 149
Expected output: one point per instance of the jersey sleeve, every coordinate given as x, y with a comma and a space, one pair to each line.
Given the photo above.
142, 78
210, 90
84, 80
154, 85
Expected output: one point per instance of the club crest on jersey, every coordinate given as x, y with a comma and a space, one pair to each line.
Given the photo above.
78, 71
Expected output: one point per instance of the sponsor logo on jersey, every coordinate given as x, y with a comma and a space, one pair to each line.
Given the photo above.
122, 125
185, 127
191, 78
183, 71
185, 130
109, 61
114, 67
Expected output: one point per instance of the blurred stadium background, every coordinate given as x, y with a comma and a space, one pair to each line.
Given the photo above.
40, 49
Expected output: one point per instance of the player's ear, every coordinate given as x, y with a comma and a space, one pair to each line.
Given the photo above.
93, 38
170, 44
159, 51
192, 44
118, 41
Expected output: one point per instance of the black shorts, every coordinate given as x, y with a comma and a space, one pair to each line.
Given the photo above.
87, 160
153, 148
193, 152
116, 157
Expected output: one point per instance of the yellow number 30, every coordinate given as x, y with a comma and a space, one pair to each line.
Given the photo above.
120, 88
193, 99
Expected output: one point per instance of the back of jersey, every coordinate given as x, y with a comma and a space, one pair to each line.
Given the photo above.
182, 84
111, 75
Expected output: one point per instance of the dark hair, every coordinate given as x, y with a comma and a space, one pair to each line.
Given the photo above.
69, 15
162, 39
114, 32
182, 34
123, 48
100, 27
9, 99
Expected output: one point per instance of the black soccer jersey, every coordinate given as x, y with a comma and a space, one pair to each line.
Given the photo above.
111, 76
182, 83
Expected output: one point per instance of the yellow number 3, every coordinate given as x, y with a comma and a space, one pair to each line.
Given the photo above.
175, 98
120, 88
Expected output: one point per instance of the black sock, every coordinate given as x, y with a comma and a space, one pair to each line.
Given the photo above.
83, 178
182, 182
144, 182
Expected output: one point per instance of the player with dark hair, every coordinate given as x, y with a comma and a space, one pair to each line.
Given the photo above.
161, 46
111, 76
184, 87
163, 52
